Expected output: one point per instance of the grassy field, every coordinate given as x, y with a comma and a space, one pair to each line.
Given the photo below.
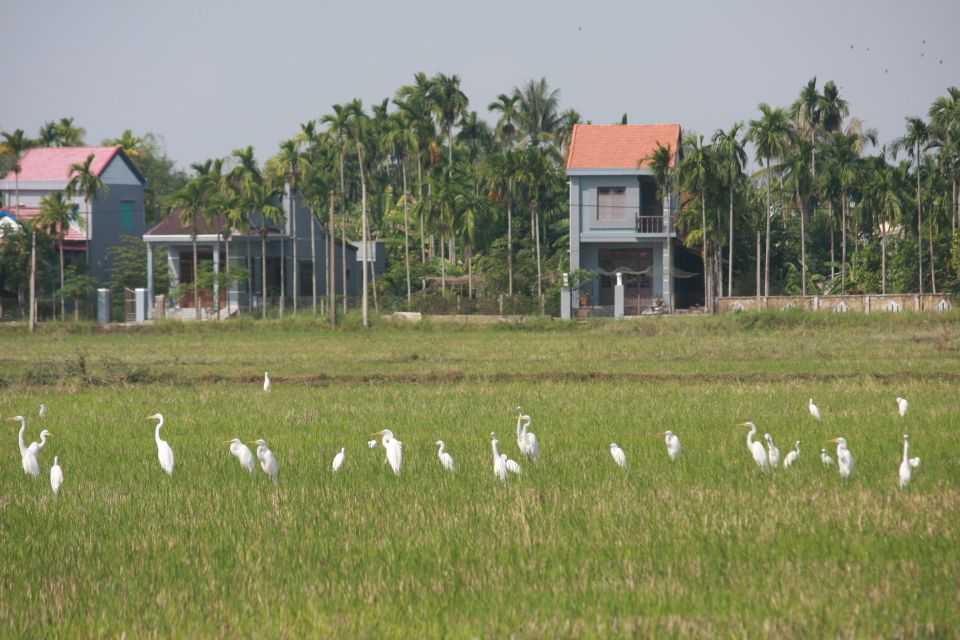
706, 547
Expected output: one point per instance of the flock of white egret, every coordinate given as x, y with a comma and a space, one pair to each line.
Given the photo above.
528, 444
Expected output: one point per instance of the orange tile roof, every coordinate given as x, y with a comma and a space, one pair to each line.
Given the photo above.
618, 146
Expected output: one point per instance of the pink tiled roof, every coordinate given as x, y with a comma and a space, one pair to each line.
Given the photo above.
26, 213
53, 163
619, 146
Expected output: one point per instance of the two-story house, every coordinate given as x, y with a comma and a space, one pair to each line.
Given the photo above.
116, 212
618, 224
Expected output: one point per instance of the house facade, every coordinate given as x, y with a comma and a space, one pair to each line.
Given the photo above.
245, 250
116, 212
618, 224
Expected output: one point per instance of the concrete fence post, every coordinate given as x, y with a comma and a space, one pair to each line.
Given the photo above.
103, 306
140, 297
565, 298
618, 297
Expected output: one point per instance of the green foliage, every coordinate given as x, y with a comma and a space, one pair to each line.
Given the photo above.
128, 265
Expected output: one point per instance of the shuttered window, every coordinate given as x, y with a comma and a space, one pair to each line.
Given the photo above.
611, 203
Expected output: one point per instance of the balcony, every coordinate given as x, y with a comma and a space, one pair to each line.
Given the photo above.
650, 220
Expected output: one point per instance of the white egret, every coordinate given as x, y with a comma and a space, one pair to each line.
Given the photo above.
499, 465
338, 459
164, 452
754, 447
371, 444
526, 440
793, 455
512, 465
446, 460
242, 453
268, 461
903, 406
844, 459
906, 469
673, 445
266, 381
43, 411
31, 466
618, 455
394, 449
773, 453
914, 462
31, 457
814, 411
56, 475
825, 458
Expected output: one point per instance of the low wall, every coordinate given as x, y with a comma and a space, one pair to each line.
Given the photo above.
872, 303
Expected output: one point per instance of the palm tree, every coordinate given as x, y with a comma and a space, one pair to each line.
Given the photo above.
538, 110
192, 201
846, 165
732, 157
289, 161
16, 144
398, 142
449, 103
806, 113
414, 102
356, 120
695, 173
916, 141
945, 127
31, 227
260, 200
769, 137
338, 129
506, 106
131, 144
568, 120
55, 216
69, 135
501, 173
48, 135
799, 180
83, 181
536, 175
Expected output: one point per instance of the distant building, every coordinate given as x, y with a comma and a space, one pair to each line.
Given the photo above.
618, 223
116, 212
245, 251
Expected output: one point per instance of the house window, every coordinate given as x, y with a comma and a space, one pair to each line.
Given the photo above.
611, 203
306, 278
126, 215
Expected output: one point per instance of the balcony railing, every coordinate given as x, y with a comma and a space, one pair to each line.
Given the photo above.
649, 224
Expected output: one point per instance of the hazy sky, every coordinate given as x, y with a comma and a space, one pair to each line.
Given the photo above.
214, 76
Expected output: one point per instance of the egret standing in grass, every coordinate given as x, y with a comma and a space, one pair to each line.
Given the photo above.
773, 453
906, 466
793, 455
56, 475
814, 411
844, 459
825, 458
31, 466
754, 447
266, 381
32, 456
499, 464
512, 465
618, 455
527, 441
164, 451
268, 461
242, 453
903, 406
338, 459
446, 460
394, 449
673, 445
43, 411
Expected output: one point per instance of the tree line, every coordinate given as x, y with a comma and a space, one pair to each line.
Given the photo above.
474, 214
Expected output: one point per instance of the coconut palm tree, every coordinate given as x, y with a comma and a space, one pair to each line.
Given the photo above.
731, 158
945, 132
799, 180
192, 202
131, 144
399, 142
769, 136
55, 216
83, 181
916, 141
501, 171
506, 106
15, 145
845, 163
568, 120
538, 105
339, 130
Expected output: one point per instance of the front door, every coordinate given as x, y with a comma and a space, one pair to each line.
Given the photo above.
636, 264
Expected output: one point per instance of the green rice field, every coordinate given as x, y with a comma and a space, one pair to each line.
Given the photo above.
573, 547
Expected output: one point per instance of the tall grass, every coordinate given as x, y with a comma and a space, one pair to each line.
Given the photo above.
706, 547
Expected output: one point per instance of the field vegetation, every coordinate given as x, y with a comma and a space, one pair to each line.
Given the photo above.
575, 546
